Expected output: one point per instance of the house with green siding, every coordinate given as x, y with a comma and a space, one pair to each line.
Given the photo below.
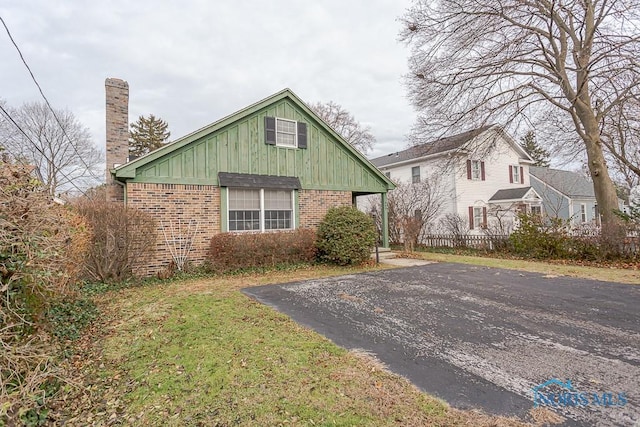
274, 165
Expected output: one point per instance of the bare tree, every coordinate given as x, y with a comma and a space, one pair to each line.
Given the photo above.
345, 125
58, 146
621, 137
478, 61
413, 208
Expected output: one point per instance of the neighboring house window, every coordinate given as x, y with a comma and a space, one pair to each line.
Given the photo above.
536, 210
285, 133
475, 170
583, 212
477, 217
415, 174
516, 174
259, 210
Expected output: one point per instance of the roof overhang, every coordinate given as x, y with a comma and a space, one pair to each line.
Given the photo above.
245, 180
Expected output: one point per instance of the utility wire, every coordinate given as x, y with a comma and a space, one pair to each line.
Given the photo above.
47, 102
8, 116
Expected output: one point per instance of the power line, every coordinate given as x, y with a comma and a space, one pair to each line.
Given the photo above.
8, 116
47, 102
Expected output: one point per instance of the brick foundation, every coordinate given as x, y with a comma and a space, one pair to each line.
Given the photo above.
314, 204
169, 203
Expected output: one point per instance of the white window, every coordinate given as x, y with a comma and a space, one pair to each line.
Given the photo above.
583, 212
259, 209
476, 170
415, 174
515, 174
286, 133
536, 210
478, 217
277, 210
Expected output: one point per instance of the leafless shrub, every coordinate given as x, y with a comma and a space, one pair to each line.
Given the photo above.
412, 210
455, 225
122, 237
41, 245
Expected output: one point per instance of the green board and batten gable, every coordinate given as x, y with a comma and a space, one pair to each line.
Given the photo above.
236, 144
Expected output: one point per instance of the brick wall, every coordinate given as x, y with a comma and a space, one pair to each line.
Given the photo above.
170, 203
173, 205
117, 135
314, 204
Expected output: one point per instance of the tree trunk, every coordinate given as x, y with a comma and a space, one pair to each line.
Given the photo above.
603, 187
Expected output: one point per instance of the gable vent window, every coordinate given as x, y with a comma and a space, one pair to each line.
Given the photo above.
285, 133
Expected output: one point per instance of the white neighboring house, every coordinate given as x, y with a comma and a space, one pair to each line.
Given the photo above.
483, 174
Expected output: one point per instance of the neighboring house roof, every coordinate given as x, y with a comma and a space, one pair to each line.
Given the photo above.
570, 184
450, 143
514, 194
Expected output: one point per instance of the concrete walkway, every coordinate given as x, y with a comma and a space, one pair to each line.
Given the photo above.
387, 256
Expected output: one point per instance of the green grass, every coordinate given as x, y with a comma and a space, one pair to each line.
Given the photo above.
199, 352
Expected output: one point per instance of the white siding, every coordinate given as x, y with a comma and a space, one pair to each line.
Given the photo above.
459, 191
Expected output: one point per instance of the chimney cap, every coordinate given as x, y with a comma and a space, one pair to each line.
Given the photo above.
116, 83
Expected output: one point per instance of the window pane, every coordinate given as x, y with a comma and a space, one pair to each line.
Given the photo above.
277, 220
475, 169
244, 220
286, 139
241, 199
277, 200
286, 126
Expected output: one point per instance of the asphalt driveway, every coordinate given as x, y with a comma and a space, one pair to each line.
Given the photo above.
484, 337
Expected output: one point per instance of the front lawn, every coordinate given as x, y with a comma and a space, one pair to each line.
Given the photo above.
199, 352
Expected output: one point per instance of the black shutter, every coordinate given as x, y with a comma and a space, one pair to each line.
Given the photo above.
470, 217
468, 169
302, 135
270, 130
482, 170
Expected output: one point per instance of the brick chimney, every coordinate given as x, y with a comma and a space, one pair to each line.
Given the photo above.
117, 113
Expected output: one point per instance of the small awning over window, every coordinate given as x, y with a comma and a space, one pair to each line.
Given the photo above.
523, 194
246, 180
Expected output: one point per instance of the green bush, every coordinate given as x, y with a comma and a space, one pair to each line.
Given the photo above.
540, 238
346, 236
240, 251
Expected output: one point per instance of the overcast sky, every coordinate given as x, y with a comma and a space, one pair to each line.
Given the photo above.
192, 62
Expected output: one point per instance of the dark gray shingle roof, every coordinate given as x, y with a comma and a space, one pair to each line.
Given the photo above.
510, 194
228, 179
571, 184
434, 147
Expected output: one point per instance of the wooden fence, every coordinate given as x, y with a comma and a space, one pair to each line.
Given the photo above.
487, 242
630, 245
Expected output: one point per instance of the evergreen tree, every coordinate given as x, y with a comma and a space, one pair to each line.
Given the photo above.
539, 155
147, 134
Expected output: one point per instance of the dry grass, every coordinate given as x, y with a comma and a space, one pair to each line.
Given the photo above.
199, 352
610, 274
